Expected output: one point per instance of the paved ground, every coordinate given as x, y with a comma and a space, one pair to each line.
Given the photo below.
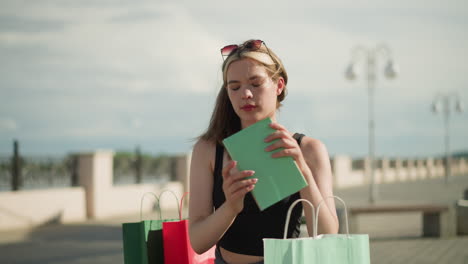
394, 238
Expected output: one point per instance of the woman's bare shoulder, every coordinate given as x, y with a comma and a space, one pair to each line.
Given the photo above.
204, 146
313, 144
314, 149
204, 151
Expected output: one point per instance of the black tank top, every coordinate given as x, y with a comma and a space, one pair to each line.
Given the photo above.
251, 225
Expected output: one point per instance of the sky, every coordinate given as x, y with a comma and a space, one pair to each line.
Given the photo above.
83, 75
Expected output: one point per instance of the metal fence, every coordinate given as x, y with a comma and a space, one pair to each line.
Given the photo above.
39, 172
5, 173
132, 168
357, 164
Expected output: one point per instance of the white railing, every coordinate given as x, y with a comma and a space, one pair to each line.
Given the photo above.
391, 170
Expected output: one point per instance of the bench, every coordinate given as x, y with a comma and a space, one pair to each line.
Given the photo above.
437, 220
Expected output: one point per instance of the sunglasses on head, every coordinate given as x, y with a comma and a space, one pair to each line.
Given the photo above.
252, 45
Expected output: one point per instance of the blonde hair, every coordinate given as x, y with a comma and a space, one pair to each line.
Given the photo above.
224, 121
265, 57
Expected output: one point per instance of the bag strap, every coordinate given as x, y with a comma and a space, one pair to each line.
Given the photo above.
182, 204
218, 167
141, 205
318, 210
288, 216
175, 196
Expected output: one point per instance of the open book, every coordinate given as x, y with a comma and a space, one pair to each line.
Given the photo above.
277, 177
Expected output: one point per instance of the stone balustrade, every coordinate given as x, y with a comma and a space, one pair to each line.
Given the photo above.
391, 170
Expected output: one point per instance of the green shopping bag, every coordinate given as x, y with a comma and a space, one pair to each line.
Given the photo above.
323, 249
142, 241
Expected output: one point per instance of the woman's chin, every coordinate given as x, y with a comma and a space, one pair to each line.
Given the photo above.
251, 120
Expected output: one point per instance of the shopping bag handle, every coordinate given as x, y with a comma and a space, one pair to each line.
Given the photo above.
181, 204
141, 205
175, 196
318, 210
288, 216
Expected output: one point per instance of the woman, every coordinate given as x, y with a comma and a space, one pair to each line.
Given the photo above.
222, 211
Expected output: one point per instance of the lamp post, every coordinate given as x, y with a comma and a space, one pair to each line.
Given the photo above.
445, 103
370, 55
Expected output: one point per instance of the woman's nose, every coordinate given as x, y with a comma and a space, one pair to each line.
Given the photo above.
247, 93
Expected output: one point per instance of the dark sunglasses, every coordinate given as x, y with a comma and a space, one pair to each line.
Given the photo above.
252, 45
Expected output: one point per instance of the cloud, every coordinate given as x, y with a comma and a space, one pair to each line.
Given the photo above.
8, 125
158, 45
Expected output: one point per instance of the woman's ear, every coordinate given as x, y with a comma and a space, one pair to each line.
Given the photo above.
279, 86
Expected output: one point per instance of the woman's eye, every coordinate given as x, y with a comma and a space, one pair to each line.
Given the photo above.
234, 88
257, 82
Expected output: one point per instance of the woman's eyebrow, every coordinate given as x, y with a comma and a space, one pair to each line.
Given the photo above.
255, 77
250, 79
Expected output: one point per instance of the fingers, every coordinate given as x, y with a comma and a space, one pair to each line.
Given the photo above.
230, 175
291, 152
239, 188
282, 143
236, 185
277, 135
280, 139
241, 192
277, 126
239, 175
226, 170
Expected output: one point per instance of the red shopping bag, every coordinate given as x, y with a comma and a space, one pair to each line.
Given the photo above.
177, 247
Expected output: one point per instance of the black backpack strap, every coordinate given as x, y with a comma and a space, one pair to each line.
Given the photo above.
218, 167
298, 137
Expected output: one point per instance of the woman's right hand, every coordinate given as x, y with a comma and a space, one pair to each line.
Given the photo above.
236, 186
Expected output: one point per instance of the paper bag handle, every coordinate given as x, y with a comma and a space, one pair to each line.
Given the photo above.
288, 216
175, 196
181, 204
141, 205
318, 210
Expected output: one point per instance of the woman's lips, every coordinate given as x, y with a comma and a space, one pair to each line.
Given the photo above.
248, 108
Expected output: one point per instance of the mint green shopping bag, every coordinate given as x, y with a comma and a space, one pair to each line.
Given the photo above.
323, 249
143, 241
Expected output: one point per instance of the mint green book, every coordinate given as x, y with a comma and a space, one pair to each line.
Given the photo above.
277, 177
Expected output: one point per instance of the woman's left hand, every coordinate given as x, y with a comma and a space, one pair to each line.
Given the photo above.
286, 141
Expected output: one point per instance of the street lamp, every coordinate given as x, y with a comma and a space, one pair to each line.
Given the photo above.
370, 56
445, 103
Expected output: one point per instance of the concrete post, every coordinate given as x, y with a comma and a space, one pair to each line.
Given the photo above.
387, 174
421, 169
398, 169
457, 166
367, 170
342, 168
430, 168
463, 166
439, 168
95, 173
412, 173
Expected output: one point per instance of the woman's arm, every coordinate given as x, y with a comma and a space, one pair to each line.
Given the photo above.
314, 163
206, 227
319, 177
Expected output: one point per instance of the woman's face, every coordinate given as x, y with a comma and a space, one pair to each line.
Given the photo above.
252, 92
